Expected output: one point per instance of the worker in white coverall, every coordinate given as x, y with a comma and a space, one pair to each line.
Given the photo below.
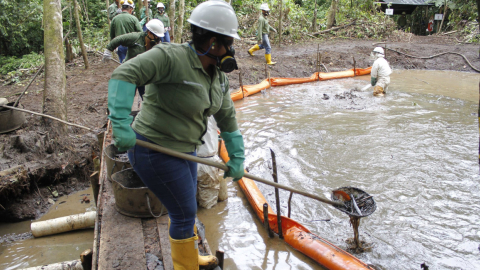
380, 75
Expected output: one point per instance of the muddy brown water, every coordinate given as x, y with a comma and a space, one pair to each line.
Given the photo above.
415, 151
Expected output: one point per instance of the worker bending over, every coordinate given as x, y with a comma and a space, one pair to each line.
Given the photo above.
262, 35
380, 75
124, 23
137, 43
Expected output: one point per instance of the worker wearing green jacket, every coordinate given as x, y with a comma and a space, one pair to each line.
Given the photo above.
186, 84
137, 43
262, 35
114, 9
162, 16
124, 23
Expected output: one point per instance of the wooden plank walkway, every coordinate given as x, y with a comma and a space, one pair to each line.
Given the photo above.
119, 241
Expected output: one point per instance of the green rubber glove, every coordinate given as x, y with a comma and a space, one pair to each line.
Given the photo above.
120, 101
373, 81
236, 152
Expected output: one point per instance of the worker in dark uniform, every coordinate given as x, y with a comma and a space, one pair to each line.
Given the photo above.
402, 21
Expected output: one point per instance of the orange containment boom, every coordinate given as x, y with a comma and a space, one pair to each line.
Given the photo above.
248, 90
294, 233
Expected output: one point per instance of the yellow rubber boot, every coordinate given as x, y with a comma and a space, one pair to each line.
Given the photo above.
268, 57
204, 262
185, 253
253, 49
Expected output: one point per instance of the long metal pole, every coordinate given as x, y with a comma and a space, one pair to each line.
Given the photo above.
221, 166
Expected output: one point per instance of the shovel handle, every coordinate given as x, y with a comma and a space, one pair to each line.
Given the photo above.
221, 166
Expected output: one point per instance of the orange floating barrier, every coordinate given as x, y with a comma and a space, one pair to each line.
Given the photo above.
294, 233
249, 90
287, 81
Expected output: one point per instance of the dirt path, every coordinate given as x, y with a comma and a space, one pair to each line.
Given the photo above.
54, 167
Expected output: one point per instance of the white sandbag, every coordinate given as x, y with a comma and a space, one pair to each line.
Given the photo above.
63, 224
71, 265
210, 147
208, 185
223, 192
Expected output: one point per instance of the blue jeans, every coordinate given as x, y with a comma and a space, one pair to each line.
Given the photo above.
166, 38
174, 182
141, 91
122, 53
266, 44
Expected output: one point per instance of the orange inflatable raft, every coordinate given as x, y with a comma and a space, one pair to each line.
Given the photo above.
294, 233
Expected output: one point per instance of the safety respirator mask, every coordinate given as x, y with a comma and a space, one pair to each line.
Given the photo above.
227, 62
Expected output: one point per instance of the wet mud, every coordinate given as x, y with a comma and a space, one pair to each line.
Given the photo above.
64, 164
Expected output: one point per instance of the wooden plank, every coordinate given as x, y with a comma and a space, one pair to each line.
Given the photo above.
162, 223
121, 238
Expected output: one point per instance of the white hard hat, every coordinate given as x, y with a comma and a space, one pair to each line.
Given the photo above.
160, 5
379, 50
216, 16
127, 3
156, 27
264, 6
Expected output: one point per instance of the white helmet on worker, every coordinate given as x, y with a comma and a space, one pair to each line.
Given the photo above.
379, 50
156, 27
216, 16
264, 6
159, 5
127, 3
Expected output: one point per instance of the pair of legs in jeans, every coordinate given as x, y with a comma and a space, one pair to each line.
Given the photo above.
174, 182
266, 44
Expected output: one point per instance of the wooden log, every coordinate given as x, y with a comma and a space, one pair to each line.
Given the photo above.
63, 224
69, 265
162, 224
332, 29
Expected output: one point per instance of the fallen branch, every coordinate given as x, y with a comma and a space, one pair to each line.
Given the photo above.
26, 88
333, 29
48, 116
436, 55
448, 33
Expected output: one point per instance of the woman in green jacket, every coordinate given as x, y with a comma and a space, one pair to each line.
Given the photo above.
186, 84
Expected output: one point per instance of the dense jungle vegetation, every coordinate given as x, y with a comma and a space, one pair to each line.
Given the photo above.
21, 29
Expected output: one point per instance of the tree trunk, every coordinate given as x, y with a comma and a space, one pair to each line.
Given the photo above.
54, 94
181, 12
280, 20
314, 21
331, 14
478, 20
147, 9
79, 31
171, 16
445, 7
68, 50
108, 15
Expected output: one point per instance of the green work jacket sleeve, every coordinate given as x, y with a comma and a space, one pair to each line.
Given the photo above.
179, 97
134, 41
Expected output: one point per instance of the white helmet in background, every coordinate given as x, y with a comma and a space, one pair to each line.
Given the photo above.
159, 5
127, 3
379, 50
377, 53
216, 16
156, 27
264, 6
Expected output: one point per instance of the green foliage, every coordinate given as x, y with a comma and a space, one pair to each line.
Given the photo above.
21, 27
12, 68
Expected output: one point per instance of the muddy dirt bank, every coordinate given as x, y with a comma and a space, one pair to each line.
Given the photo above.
53, 166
